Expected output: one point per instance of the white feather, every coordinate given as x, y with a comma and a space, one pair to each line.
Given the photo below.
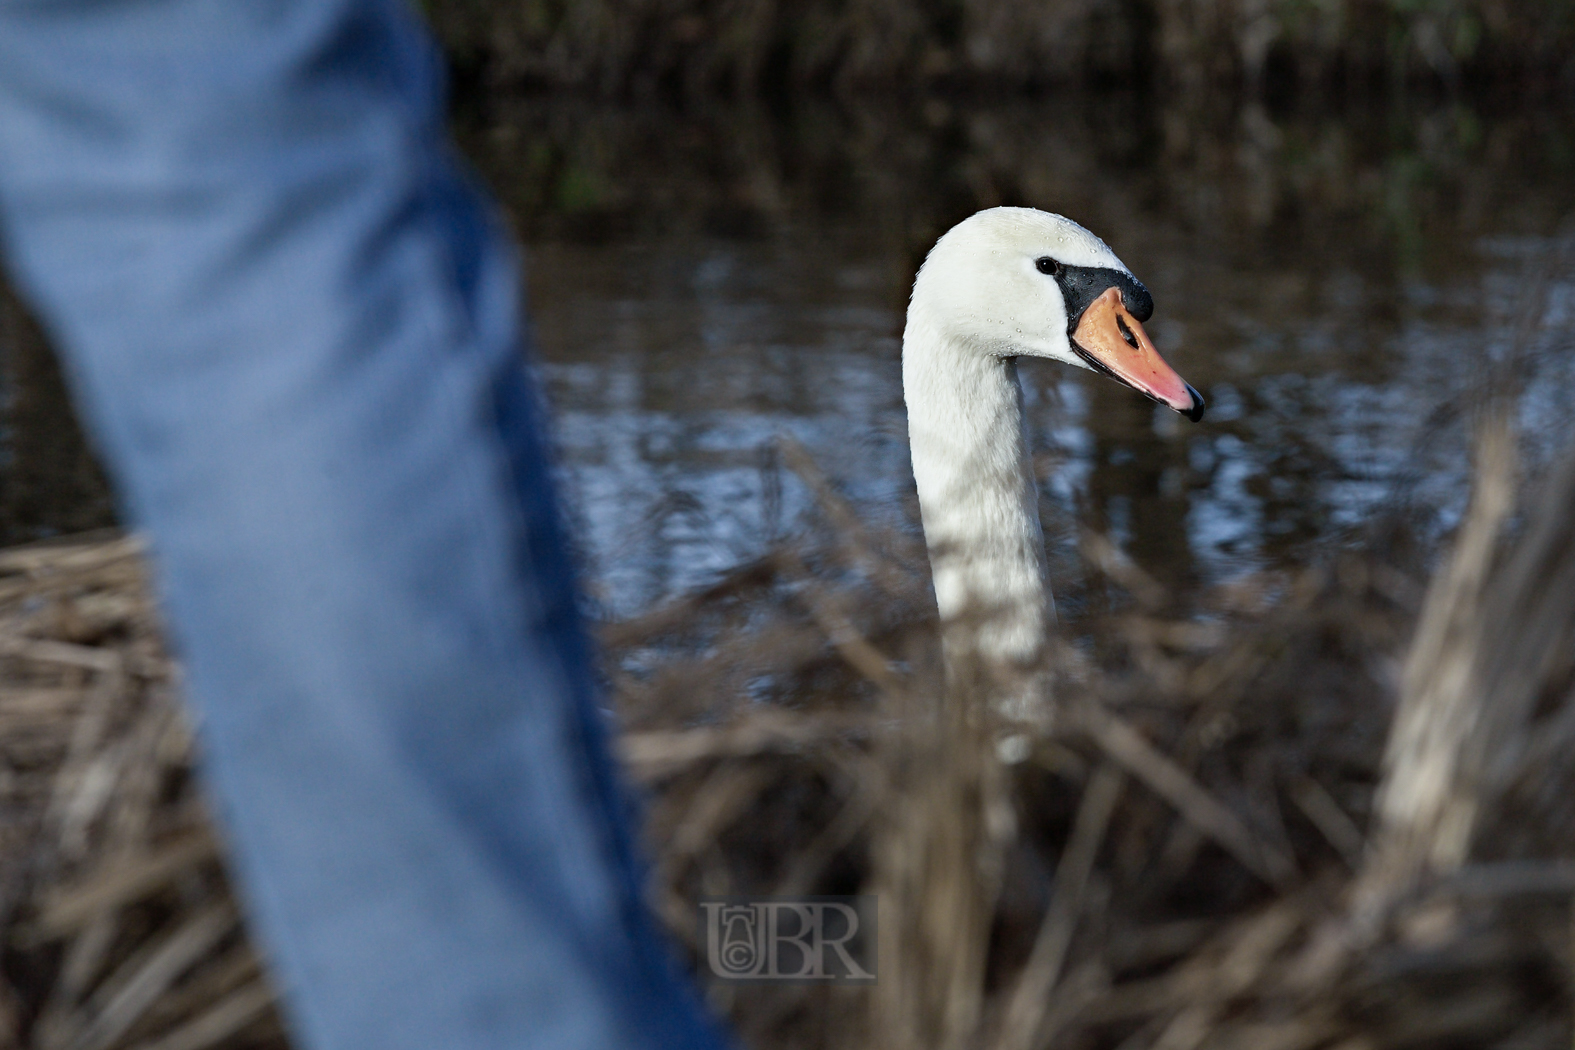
979, 302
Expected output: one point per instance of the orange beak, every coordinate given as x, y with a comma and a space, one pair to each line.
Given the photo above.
1112, 341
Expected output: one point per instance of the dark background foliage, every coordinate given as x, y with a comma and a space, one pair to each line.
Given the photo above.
746, 47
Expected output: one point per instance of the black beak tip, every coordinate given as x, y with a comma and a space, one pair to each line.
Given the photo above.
1195, 413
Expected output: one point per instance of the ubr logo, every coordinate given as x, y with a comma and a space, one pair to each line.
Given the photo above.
790, 939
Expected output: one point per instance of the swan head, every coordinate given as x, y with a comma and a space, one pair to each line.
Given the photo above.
1018, 282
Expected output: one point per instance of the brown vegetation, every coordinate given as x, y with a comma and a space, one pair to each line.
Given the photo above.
1212, 845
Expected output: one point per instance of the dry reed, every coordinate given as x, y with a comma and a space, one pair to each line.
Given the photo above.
1221, 841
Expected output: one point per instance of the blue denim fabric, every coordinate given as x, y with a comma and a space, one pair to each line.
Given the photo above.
292, 326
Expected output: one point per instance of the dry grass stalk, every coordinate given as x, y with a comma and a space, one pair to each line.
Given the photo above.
1494, 637
936, 868
791, 728
1127, 747
220, 1021
1428, 801
1030, 1000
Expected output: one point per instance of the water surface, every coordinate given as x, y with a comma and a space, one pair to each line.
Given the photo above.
1342, 283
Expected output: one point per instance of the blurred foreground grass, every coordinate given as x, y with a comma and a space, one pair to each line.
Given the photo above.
1253, 821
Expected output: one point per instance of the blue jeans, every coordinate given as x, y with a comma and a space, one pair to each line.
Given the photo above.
292, 326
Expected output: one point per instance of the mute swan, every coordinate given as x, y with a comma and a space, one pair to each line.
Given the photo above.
1003, 284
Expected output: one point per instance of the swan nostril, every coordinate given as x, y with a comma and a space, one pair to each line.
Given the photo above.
1126, 333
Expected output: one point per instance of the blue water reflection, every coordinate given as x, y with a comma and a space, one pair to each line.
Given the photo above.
673, 364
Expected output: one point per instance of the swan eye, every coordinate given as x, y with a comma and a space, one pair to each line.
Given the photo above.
1047, 265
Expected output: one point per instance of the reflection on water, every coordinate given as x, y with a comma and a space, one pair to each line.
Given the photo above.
1339, 284
673, 366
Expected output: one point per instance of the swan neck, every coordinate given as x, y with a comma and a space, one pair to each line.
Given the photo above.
977, 497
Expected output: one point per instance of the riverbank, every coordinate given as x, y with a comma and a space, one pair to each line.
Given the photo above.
1319, 809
